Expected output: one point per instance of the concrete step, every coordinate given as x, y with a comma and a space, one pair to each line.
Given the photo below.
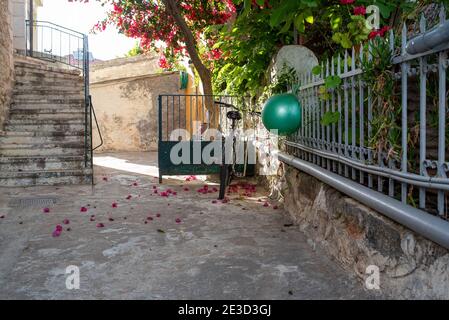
45, 134
47, 125
46, 116
21, 82
44, 69
41, 178
67, 90
39, 86
61, 110
47, 102
13, 138
55, 95
36, 163
42, 149
75, 106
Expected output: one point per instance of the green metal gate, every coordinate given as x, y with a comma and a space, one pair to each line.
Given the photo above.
185, 120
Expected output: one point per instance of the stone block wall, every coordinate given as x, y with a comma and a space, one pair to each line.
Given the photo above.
6, 59
125, 97
357, 237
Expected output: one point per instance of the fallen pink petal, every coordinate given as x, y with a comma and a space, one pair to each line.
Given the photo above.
178, 220
58, 227
56, 233
100, 225
46, 210
66, 221
158, 215
83, 209
128, 197
114, 205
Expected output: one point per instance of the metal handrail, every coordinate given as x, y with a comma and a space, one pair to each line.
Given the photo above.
96, 124
36, 22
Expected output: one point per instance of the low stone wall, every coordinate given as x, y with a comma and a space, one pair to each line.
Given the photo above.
125, 97
6, 59
357, 237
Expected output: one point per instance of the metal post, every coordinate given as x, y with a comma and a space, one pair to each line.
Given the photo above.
30, 27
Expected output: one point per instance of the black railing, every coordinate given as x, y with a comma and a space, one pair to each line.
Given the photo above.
54, 43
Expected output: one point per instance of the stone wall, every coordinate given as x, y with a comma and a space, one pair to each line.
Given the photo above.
125, 97
357, 237
6, 59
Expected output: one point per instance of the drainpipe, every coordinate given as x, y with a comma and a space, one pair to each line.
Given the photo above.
430, 40
427, 225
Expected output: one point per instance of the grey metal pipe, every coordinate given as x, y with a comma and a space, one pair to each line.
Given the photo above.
431, 227
417, 180
429, 40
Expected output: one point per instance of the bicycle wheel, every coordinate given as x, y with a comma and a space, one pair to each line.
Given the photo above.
225, 178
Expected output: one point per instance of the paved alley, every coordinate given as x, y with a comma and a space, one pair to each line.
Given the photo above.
132, 238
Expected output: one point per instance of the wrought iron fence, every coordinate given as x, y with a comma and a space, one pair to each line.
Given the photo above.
54, 43
414, 171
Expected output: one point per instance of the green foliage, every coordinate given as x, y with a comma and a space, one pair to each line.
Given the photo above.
330, 118
332, 82
137, 50
248, 48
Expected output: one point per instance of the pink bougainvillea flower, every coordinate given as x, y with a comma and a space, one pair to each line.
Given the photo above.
359, 11
266, 204
105, 179
178, 220
46, 210
347, 1
150, 218
158, 215
58, 228
155, 191
83, 209
135, 184
164, 194
66, 221
56, 233
169, 191
100, 225
214, 189
191, 178
129, 197
174, 193
114, 205
186, 189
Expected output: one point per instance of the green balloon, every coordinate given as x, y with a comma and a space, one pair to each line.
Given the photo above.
282, 112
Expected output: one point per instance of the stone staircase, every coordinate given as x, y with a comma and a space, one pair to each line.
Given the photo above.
44, 138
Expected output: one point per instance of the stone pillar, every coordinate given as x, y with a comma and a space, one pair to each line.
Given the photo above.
6, 59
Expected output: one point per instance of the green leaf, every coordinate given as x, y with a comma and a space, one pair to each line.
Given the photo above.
330, 118
317, 70
332, 82
260, 2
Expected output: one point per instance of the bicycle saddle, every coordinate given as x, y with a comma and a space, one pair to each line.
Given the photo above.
234, 115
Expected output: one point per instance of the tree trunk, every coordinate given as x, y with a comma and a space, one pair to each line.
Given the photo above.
203, 72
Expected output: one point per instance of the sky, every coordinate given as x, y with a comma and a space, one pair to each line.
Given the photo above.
82, 17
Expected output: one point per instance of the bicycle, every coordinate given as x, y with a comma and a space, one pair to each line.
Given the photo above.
227, 171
